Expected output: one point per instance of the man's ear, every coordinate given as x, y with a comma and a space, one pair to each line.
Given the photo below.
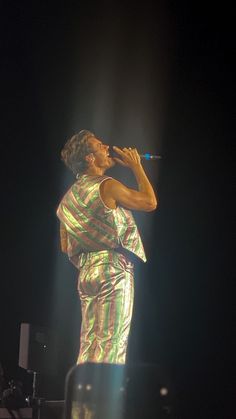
90, 158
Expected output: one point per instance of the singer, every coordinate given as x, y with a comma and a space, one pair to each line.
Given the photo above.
99, 235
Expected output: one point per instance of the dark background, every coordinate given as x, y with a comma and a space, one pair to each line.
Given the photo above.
159, 77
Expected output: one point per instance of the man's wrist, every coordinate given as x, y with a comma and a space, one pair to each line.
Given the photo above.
137, 168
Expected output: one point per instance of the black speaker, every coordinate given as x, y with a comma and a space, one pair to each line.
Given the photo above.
25, 413
53, 409
38, 349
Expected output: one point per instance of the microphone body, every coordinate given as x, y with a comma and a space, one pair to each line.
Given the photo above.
148, 156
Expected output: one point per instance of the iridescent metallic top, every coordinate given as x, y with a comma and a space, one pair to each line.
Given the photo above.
91, 225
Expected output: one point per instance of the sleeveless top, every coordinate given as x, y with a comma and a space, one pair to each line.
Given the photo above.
92, 226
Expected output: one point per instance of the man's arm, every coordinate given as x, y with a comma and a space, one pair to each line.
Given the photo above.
114, 192
63, 237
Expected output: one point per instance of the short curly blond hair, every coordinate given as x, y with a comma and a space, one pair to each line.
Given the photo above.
74, 151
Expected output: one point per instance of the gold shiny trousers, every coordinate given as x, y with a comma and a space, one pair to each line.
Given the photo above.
106, 290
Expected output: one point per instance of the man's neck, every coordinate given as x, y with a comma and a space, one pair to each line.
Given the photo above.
95, 171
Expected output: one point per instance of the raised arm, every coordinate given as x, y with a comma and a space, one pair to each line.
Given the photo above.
115, 193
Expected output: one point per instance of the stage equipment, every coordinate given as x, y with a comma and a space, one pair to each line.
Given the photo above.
148, 156
38, 349
24, 413
95, 391
104, 391
37, 355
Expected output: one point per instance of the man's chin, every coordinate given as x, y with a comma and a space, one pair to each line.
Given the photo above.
111, 162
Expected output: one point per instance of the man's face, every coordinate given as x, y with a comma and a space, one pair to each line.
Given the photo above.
100, 153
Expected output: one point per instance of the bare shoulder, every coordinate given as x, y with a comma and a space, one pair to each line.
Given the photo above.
110, 184
107, 189
112, 187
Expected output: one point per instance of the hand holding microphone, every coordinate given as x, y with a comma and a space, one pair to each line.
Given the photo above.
131, 157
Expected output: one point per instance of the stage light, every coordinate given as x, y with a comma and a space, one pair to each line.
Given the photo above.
164, 391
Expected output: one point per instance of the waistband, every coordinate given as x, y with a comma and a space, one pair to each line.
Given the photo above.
103, 256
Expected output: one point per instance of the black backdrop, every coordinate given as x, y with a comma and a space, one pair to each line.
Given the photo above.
159, 77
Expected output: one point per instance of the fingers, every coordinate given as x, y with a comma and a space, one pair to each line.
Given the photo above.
117, 160
125, 150
129, 155
137, 154
133, 153
118, 150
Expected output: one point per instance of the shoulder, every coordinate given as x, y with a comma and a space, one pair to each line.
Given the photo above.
109, 184
107, 188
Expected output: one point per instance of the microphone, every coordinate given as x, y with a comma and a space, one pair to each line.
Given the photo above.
148, 156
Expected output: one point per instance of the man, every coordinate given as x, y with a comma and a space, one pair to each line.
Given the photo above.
98, 233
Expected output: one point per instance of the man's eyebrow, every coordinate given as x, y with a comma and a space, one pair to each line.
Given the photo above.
98, 143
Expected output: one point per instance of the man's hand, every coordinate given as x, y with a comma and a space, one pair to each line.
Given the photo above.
129, 157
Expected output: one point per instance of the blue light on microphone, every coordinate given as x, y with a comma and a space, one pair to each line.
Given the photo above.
147, 156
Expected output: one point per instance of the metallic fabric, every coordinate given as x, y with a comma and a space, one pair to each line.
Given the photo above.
106, 290
91, 226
